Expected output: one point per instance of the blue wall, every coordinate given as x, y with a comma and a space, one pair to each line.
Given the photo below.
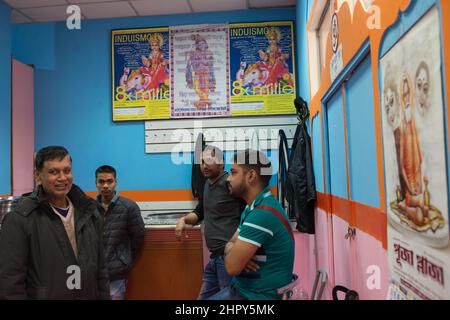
336, 147
73, 96
317, 153
363, 171
303, 9
5, 100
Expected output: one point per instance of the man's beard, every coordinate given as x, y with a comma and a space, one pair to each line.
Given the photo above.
237, 191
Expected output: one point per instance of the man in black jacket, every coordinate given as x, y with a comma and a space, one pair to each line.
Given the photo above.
123, 230
50, 244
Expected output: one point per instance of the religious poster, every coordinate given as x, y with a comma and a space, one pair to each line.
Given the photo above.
140, 74
199, 71
262, 68
214, 70
415, 162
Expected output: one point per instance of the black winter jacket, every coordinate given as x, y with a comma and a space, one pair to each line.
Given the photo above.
300, 185
35, 251
123, 235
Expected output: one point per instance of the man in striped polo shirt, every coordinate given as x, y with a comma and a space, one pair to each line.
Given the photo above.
260, 255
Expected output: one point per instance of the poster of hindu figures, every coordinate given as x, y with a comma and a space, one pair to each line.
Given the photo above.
415, 163
199, 71
140, 74
262, 68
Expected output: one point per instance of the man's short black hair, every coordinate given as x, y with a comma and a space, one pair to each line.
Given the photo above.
215, 152
105, 169
253, 159
49, 153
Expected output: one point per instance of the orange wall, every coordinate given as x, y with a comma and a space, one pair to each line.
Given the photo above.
358, 215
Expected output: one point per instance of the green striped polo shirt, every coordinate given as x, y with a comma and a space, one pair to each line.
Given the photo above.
266, 225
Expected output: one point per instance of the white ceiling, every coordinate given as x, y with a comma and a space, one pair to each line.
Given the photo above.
55, 10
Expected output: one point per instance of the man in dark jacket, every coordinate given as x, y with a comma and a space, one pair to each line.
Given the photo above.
123, 230
50, 246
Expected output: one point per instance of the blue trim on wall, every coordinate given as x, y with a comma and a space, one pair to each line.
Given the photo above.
330, 94
337, 172
407, 20
363, 170
317, 153
5, 99
73, 97
326, 140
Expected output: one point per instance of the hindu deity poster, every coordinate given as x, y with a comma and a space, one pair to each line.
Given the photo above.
199, 71
140, 74
262, 68
414, 161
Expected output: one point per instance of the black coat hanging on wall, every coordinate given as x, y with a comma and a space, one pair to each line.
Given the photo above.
300, 182
198, 179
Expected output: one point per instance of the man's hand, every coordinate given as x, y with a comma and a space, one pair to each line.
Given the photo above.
180, 227
251, 266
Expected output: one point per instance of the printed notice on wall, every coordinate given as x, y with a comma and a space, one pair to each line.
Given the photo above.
199, 71
140, 74
415, 163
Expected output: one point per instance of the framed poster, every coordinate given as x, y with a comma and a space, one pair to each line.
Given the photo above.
214, 70
140, 74
415, 162
262, 64
199, 71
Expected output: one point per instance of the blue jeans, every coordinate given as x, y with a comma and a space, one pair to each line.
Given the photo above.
117, 289
215, 278
229, 293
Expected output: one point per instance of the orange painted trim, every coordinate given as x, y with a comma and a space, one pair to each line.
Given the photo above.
160, 195
153, 195
341, 208
371, 220
351, 42
367, 219
4, 195
324, 202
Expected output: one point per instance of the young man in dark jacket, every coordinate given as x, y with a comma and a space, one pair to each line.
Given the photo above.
50, 244
123, 230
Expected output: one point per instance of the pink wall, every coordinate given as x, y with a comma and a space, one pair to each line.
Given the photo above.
304, 266
343, 255
346, 262
370, 253
22, 127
